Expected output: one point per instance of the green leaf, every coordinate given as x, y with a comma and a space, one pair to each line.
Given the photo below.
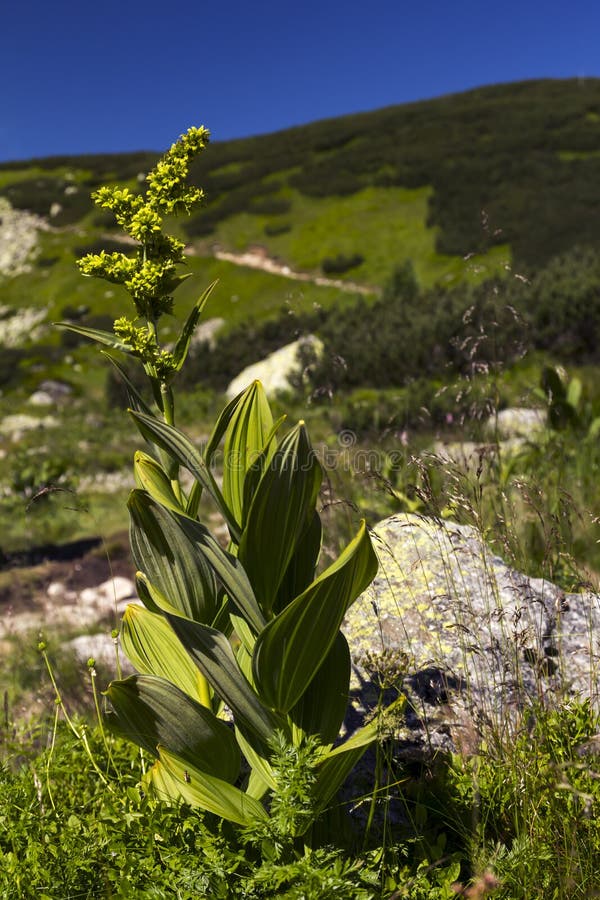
135, 399
247, 431
322, 707
145, 594
182, 346
171, 562
574, 393
227, 569
257, 469
258, 763
200, 789
212, 653
151, 711
94, 334
281, 512
301, 571
153, 648
181, 449
337, 764
152, 478
294, 645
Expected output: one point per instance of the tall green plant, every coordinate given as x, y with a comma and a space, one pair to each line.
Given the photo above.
255, 627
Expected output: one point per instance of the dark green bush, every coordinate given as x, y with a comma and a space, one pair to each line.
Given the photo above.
10, 361
341, 263
274, 228
39, 194
271, 206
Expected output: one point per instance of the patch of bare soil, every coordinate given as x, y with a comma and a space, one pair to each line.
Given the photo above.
25, 577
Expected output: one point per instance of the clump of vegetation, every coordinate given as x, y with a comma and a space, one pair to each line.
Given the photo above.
339, 264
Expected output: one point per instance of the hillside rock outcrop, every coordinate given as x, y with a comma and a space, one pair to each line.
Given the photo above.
18, 238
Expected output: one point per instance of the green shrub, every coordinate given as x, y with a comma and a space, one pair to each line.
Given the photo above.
341, 263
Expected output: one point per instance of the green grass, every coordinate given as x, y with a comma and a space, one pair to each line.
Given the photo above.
385, 225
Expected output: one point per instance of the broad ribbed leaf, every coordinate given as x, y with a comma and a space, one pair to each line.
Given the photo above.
227, 569
176, 777
172, 562
302, 568
322, 707
294, 645
258, 764
257, 469
183, 451
212, 653
95, 334
144, 592
152, 478
249, 427
153, 648
338, 763
151, 711
281, 511
182, 346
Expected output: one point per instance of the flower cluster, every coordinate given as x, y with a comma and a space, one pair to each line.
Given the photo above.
151, 275
143, 344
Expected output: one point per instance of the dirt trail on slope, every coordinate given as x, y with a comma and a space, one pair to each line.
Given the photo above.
256, 259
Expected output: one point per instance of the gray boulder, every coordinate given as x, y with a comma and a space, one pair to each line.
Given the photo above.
470, 642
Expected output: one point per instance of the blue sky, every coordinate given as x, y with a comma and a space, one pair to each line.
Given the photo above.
81, 77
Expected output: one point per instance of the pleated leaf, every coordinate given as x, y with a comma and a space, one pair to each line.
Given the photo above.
152, 478
339, 763
153, 648
212, 653
322, 707
170, 561
294, 645
264, 778
247, 431
281, 512
257, 469
151, 711
177, 445
182, 346
200, 789
228, 569
301, 570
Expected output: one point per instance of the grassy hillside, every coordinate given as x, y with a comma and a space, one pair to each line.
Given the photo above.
457, 193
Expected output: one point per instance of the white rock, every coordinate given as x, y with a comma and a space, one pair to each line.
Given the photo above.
57, 590
275, 371
102, 649
41, 398
16, 425
112, 593
18, 238
207, 331
18, 327
517, 421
